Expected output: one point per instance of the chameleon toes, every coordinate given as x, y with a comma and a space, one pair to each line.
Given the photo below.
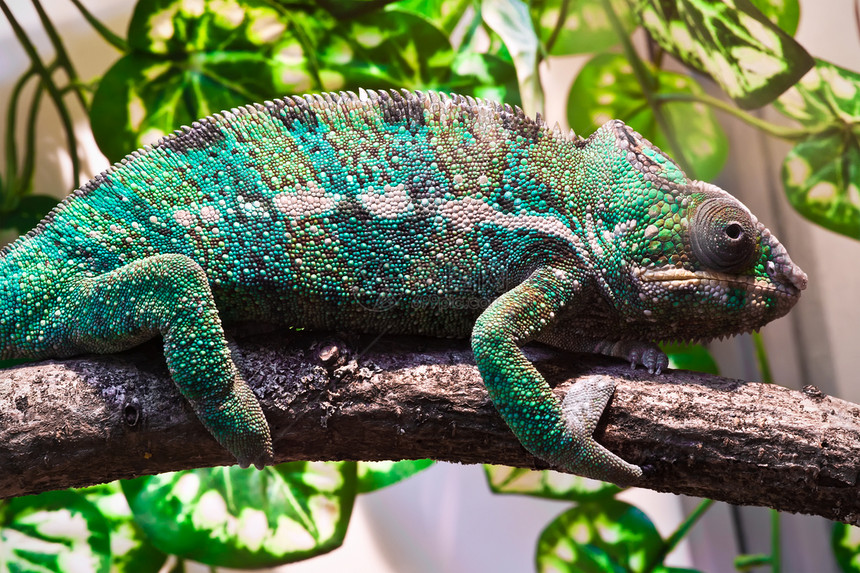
655, 360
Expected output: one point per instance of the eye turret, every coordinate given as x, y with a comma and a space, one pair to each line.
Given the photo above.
723, 236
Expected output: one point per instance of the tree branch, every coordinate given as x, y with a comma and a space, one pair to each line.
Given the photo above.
99, 418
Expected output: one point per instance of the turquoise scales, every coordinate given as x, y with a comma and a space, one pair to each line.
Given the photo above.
402, 213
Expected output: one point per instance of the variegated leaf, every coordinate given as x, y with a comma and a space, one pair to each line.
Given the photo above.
230, 517
578, 27
382, 50
750, 57
547, 484
607, 89
131, 549
609, 536
845, 542
783, 13
377, 475
53, 532
192, 59
821, 174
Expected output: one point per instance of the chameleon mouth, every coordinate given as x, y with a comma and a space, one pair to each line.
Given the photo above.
681, 278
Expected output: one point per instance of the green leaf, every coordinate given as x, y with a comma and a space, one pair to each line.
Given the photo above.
690, 357
751, 58
383, 50
510, 19
30, 210
826, 97
131, 550
395, 49
230, 517
585, 27
607, 89
377, 475
340, 9
821, 174
822, 180
609, 536
547, 484
484, 76
57, 531
845, 541
444, 14
783, 13
192, 59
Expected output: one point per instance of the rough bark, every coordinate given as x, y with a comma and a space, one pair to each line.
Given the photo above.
98, 418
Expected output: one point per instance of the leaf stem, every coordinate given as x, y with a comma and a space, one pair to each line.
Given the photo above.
307, 45
559, 24
30, 146
775, 548
62, 57
49, 84
788, 133
679, 534
645, 79
103, 31
762, 359
12, 179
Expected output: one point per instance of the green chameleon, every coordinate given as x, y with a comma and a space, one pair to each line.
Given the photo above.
418, 213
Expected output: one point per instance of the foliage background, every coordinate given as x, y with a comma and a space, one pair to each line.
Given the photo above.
738, 179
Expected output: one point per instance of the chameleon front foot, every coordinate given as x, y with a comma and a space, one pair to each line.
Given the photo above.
170, 294
582, 407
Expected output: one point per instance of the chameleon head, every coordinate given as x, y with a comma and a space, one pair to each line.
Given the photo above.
699, 265
740, 274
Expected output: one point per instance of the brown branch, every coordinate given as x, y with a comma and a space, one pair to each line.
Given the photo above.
95, 419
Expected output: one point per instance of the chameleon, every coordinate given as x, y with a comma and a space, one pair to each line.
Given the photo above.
396, 212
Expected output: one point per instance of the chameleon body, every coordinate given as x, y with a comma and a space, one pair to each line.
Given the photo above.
396, 212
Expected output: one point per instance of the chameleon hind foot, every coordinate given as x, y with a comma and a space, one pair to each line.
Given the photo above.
582, 407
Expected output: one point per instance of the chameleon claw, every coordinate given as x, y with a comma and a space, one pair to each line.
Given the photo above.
645, 353
648, 471
260, 461
655, 360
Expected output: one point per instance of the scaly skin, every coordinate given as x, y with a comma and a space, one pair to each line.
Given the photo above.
403, 213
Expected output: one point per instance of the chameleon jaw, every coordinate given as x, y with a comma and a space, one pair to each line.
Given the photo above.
765, 300
674, 277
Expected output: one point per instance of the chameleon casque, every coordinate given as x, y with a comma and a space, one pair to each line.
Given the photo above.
396, 212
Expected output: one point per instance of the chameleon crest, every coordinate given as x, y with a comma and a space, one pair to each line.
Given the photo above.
417, 213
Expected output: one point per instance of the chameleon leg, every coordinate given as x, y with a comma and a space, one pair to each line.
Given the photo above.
561, 436
169, 294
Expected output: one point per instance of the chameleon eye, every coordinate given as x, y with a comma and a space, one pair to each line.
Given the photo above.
723, 236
